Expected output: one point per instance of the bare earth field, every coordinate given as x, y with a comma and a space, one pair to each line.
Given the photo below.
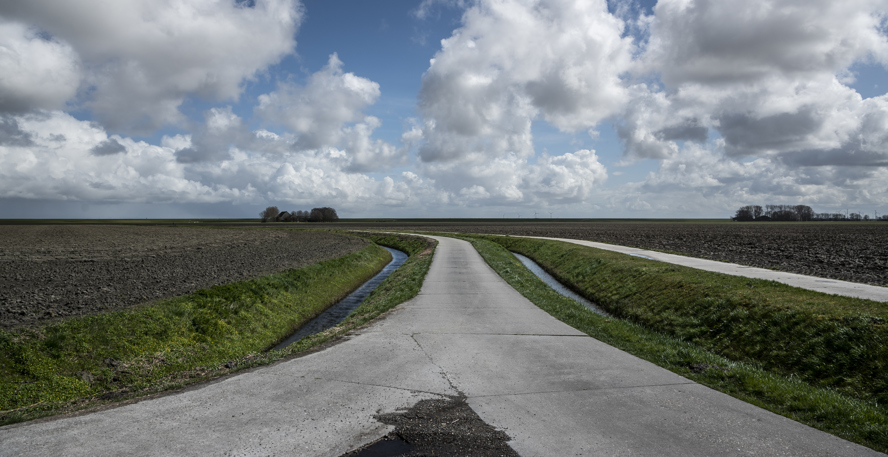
856, 252
53, 271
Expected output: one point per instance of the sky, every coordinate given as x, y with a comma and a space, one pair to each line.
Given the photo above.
441, 108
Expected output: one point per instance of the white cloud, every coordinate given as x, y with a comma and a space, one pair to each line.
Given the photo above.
513, 61
716, 42
35, 72
67, 159
510, 63
700, 181
769, 78
328, 113
318, 110
141, 58
743, 102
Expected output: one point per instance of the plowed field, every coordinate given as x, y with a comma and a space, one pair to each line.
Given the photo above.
856, 252
52, 271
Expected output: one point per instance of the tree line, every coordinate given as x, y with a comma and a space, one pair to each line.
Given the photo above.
273, 214
794, 213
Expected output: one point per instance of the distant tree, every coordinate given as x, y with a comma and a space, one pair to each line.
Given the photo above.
269, 214
804, 212
746, 213
757, 212
782, 213
325, 214
330, 214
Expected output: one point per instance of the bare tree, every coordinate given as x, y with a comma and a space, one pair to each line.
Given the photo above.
757, 211
269, 214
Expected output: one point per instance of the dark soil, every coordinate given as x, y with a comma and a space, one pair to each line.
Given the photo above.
441, 428
53, 271
856, 252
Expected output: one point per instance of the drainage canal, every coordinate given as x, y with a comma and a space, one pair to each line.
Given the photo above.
557, 286
336, 313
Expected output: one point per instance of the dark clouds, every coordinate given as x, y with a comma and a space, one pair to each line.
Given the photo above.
108, 147
11, 134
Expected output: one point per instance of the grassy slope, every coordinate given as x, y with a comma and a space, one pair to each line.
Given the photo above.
91, 360
676, 334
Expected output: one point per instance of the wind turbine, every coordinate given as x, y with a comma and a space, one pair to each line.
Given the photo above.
534, 214
550, 215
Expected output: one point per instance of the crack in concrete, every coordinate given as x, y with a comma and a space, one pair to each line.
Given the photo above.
440, 368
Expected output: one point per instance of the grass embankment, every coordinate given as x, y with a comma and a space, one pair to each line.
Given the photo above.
815, 358
87, 361
402, 285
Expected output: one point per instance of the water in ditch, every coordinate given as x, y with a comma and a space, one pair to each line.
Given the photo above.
557, 286
336, 313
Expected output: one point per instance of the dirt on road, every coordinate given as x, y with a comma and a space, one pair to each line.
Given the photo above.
53, 271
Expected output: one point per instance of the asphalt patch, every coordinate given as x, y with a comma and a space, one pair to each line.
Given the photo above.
437, 428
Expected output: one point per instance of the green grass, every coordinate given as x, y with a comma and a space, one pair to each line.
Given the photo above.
402, 285
87, 361
707, 328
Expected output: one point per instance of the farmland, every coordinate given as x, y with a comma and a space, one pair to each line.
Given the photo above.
856, 252
51, 365
54, 271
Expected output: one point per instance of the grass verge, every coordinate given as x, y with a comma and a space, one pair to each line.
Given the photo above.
94, 360
402, 285
837, 411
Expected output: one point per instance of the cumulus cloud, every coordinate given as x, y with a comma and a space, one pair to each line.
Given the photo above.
716, 42
510, 181
318, 110
222, 130
36, 72
701, 181
768, 78
513, 61
108, 147
70, 160
11, 134
327, 112
139, 59
737, 101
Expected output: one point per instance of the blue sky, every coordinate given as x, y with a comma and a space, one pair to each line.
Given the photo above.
441, 108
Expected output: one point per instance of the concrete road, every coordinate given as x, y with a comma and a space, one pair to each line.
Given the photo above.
554, 390
829, 286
